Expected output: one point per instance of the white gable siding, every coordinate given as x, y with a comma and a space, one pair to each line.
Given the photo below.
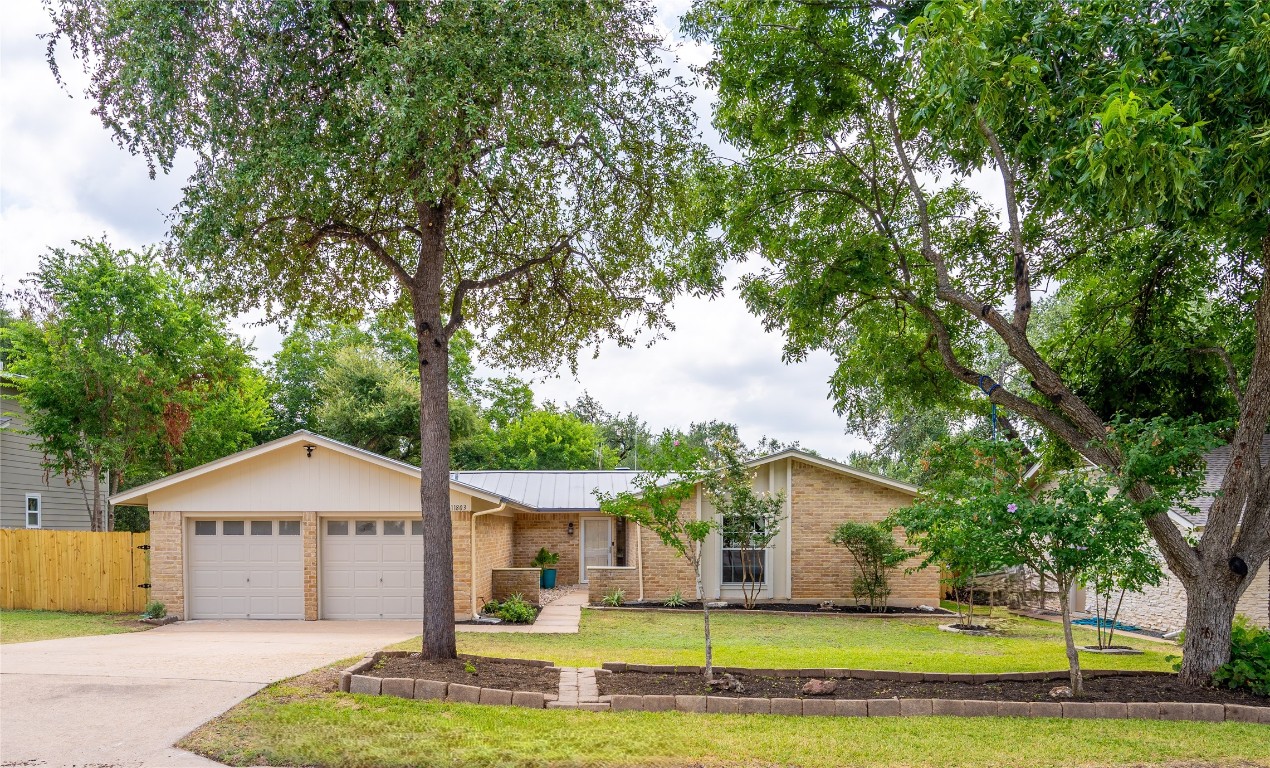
286, 480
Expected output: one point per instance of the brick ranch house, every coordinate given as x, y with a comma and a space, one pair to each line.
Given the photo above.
305, 527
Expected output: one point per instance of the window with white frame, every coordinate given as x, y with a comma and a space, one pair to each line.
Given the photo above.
742, 564
34, 511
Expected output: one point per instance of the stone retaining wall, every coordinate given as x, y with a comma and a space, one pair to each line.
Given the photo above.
353, 681
523, 581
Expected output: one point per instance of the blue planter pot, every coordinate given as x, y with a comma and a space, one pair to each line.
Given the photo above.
548, 580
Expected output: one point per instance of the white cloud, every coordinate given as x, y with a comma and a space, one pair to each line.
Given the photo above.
63, 178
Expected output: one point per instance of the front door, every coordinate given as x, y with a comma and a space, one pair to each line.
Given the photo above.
597, 543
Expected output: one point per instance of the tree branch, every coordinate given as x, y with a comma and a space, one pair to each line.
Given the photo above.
466, 286
1232, 375
1022, 280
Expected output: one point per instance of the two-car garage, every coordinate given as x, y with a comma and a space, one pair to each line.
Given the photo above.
300, 528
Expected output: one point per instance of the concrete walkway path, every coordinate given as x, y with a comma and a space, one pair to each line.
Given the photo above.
121, 701
560, 617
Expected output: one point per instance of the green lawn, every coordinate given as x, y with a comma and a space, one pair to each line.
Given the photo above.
768, 640
305, 722
26, 626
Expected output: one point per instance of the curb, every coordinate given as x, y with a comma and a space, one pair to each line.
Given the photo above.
353, 681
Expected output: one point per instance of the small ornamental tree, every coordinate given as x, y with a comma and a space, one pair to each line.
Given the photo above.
751, 519
1131, 565
876, 554
657, 503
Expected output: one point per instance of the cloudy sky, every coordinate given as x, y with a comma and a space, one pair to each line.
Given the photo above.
62, 178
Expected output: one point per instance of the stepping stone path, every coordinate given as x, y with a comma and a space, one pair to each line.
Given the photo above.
578, 690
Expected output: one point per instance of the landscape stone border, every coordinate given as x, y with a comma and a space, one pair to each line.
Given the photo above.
353, 681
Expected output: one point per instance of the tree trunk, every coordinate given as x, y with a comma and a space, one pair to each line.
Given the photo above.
1210, 611
1073, 657
434, 450
96, 518
705, 616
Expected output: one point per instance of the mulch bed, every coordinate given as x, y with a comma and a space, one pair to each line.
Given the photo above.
508, 674
854, 610
1152, 688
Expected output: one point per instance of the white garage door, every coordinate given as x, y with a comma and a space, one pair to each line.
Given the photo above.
245, 569
372, 569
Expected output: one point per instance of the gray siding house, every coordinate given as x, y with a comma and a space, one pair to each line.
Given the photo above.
26, 500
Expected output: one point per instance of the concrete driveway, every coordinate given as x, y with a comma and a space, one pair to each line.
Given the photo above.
120, 701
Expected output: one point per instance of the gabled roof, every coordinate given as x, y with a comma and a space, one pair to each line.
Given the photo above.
836, 466
139, 494
1217, 462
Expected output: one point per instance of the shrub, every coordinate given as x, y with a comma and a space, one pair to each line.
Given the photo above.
676, 600
517, 610
469, 668
490, 608
1249, 665
545, 559
876, 553
613, 598
154, 610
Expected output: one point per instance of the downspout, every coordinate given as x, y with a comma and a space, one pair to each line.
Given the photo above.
472, 551
639, 558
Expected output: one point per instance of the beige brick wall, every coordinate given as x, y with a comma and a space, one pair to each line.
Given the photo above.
462, 522
309, 540
167, 561
526, 582
601, 581
665, 570
823, 499
494, 538
551, 530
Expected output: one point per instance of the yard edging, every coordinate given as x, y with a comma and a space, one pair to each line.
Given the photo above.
353, 681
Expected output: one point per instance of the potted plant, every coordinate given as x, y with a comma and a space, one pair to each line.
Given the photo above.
546, 561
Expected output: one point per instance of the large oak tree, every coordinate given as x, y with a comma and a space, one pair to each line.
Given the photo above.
1112, 131
511, 167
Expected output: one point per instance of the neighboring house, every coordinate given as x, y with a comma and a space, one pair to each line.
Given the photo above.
26, 499
1163, 608
308, 527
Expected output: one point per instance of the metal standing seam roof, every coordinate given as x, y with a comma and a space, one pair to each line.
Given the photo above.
546, 491
1218, 460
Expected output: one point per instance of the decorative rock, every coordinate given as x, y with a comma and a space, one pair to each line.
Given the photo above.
623, 702
787, 706
754, 706
925, 609
722, 704
851, 707
915, 707
659, 703
470, 694
818, 707
819, 687
364, 684
430, 689
528, 699
690, 703
1061, 692
726, 682
884, 707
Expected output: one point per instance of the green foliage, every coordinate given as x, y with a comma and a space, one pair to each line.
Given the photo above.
876, 553
469, 668
370, 401
490, 608
545, 440
1249, 665
517, 610
154, 610
676, 599
122, 368
613, 598
545, 559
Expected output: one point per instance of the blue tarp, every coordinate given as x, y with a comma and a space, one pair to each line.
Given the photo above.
1119, 627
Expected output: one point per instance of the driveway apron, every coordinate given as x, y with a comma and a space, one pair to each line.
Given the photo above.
121, 701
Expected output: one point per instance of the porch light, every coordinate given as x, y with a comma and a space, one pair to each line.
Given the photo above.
308, 450
570, 529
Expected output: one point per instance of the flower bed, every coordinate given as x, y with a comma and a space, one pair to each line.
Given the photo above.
490, 681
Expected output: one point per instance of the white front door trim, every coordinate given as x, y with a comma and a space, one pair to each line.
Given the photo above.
602, 527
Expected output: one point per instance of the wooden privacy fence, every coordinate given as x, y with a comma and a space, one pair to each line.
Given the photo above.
74, 570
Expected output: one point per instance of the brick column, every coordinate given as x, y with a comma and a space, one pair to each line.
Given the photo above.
309, 534
167, 562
